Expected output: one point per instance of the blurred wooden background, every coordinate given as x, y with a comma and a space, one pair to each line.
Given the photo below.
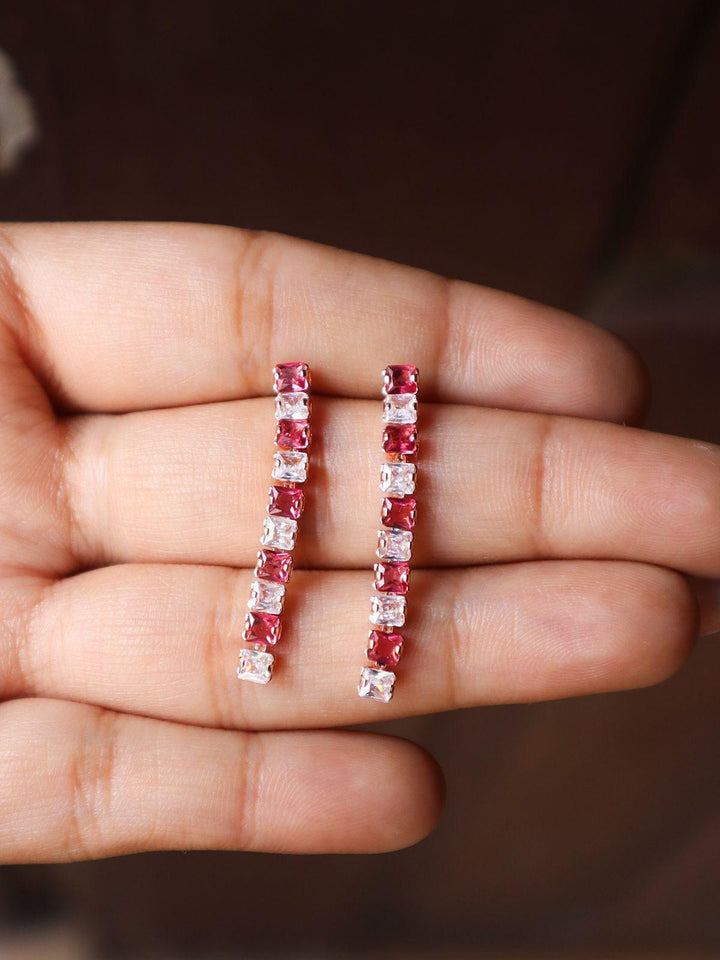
568, 151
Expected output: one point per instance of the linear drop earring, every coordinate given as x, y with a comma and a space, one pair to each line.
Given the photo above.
397, 483
286, 501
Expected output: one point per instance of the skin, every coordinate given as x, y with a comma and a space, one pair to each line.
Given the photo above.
567, 553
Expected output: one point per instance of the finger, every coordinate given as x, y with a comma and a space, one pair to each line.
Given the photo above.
163, 640
129, 316
77, 782
191, 485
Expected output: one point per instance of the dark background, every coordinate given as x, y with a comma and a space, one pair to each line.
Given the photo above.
568, 151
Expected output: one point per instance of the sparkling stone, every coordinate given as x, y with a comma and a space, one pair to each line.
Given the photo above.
397, 479
291, 465
279, 533
384, 649
400, 379
286, 502
273, 565
266, 596
394, 544
292, 406
387, 610
255, 666
399, 512
376, 684
293, 434
392, 577
262, 628
292, 378
400, 438
400, 408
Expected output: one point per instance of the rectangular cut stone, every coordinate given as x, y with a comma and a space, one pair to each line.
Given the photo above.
292, 406
392, 577
262, 628
401, 378
400, 438
291, 466
255, 666
293, 434
266, 596
376, 684
399, 512
274, 565
384, 649
286, 502
279, 533
400, 408
387, 610
291, 378
397, 479
394, 544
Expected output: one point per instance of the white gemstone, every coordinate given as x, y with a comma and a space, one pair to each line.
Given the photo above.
394, 544
290, 465
292, 406
400, 408
388, 610
266, 596
255, 666
279, 533
376, 684
397, 479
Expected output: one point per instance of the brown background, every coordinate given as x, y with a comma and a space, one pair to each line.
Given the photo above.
564, 150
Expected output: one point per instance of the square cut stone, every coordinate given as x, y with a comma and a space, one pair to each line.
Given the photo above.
255, 666
376, 684
266, 596
291, 466
293, 434
400, 408
401, 378
279, 533
291, 378
400, 438
286, 502
262, 628
274, 565
392, 577
397, 479
399, 512
387, 610
292, 406
384, 649
394, 544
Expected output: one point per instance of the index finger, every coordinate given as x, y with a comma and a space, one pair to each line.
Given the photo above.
129, 316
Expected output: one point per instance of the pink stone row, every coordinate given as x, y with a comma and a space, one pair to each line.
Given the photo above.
285, 506
399, 508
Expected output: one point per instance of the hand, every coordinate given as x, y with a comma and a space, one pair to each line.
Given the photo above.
136, 433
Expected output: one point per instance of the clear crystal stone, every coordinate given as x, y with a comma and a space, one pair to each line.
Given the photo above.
400, 408
387, 610
292, 406
394, 544
397, 479
376, 684
255, 666
290, 465
266, 596
279, 533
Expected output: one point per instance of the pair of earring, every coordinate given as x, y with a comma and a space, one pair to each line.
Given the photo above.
285, 506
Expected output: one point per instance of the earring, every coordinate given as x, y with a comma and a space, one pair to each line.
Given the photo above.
286, 501
399, 508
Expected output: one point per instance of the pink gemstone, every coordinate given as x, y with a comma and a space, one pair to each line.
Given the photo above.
392, 577
400, 438
399, 512
384, 649
292, 378
273, 565
286, 502
262, 628
401, 379
293, 434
